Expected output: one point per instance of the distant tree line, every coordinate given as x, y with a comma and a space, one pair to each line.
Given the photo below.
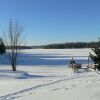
53, 46
71, 45
20, 47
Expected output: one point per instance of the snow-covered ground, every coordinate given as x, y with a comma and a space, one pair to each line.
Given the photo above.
43, 74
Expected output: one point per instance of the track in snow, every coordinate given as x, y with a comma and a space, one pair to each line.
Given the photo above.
19, 94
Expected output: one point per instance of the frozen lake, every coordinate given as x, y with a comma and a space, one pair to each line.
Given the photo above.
52, 57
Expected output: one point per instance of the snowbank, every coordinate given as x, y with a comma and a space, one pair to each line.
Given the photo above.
52, 80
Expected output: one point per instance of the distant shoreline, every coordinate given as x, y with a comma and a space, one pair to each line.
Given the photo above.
69, 45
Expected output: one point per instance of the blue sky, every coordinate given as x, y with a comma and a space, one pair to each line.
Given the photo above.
53, 21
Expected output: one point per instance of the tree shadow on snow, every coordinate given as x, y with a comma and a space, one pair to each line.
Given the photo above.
9, 74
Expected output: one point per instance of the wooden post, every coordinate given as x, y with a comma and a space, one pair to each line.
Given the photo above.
88, 61
72, 62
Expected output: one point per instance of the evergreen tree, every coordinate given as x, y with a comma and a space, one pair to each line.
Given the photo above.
96, 56
2, 47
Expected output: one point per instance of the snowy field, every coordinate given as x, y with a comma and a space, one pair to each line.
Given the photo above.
43, 74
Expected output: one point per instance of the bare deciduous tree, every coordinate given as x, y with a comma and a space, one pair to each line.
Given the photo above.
13, 41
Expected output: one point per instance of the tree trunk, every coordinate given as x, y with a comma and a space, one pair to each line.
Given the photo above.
14, 67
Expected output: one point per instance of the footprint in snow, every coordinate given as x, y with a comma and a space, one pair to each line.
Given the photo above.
56, 89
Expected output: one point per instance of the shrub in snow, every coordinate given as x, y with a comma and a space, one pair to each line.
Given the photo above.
75, 66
